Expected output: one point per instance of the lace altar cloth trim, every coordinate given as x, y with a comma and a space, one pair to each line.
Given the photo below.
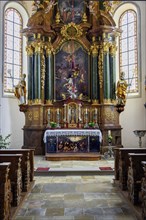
71, 132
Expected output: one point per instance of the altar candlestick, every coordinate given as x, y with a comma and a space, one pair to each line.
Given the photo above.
96, 111
49, 111
109, 132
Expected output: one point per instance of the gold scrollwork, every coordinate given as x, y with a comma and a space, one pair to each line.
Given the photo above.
111, 116
36, 115
29, 115
42, 75
100, 66
71, 31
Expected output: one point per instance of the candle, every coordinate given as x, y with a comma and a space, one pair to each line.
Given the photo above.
109, 132
58, 111
86, 111
96, 111
49, 111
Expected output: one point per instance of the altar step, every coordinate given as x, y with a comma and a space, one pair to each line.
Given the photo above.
72, 156
73, 172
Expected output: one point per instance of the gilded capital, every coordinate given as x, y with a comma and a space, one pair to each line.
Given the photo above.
29, 50
113, 49
106, 46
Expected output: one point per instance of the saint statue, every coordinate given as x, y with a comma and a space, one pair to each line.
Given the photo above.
20, 90
121, 89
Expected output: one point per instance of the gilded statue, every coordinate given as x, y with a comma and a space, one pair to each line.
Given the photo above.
121, 89
20, 90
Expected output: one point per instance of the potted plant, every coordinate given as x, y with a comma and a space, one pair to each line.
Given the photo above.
53, 124
91, 124
4, 141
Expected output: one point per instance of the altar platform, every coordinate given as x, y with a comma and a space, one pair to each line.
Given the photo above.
72, 156
72, 167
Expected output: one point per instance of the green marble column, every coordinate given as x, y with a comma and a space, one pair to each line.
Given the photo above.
112, 77
49, 82
30, 61
106, 75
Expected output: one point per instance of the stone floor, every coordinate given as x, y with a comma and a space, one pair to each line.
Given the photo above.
75, 197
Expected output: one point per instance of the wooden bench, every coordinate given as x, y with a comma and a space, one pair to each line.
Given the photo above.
143, 191
15, 175
124, 164
116, 161
31, 157
25, 165
135, 174
5, 191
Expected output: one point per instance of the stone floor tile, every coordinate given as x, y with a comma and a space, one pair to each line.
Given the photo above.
24, 218
73, 211
35, 212
54, 212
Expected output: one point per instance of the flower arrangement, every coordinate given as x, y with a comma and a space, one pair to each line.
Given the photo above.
110, 138
91, 124
53, 124
4, 143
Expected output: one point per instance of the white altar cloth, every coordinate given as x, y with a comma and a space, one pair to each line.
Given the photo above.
73, 132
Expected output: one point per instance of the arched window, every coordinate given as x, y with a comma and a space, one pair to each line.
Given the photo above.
128, 49
13, 25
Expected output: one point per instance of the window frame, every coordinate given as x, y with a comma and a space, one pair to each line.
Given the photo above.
11, 93
122, 8
25, 16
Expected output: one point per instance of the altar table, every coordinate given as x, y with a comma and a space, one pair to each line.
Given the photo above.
72, 140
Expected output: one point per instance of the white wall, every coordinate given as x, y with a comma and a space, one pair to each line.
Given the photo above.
134, 115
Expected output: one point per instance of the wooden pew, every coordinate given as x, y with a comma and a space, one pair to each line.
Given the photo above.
25, 165
143, 191
135, 175
15, 175
116, 162
124, 164
31, 163
5, 191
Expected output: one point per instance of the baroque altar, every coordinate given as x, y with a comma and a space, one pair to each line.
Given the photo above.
72, 140
71, 48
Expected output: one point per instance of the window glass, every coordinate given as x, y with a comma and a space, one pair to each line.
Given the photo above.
12, 49
128, 49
